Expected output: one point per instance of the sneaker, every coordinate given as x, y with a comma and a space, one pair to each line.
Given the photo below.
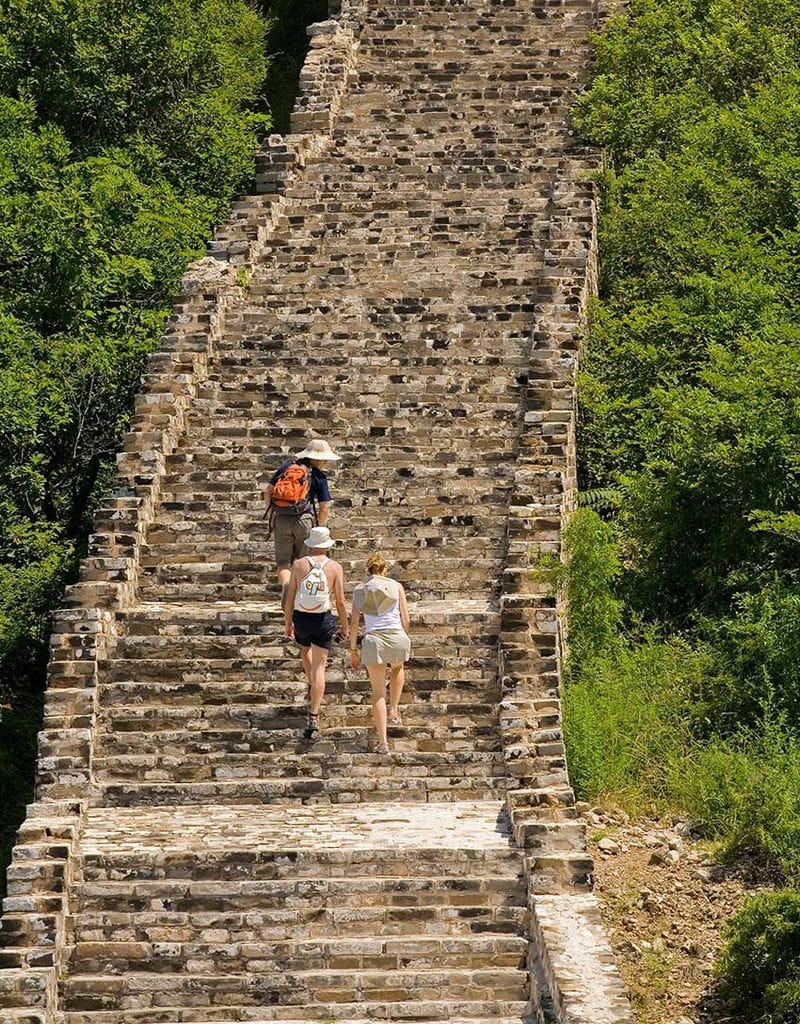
311, 730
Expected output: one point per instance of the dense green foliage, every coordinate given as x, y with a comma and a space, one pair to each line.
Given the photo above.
126, 129
690, 388
760, 968
690, 443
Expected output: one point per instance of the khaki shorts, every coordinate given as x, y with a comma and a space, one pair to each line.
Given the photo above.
290, 538
388, 647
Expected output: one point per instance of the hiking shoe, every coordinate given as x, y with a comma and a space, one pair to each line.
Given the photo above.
311, 730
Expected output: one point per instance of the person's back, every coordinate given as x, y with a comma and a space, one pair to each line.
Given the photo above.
316, 583
386, 645
298, 498
378, 600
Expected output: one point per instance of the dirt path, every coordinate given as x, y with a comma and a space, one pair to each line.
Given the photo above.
664, 903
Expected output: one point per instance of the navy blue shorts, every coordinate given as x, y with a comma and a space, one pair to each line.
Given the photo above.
314, 628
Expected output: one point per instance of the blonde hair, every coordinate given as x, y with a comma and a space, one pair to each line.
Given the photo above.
376, 564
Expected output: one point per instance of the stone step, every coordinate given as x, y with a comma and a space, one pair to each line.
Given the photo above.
248, 638
351, 694
243, 571
349, 765
482, 986
443, 590
195, 714
168, 910
305, 790
429, 1011
402, 953
220, 617
432, 672
255, 732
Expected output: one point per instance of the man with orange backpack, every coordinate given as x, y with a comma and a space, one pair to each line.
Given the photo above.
298, 498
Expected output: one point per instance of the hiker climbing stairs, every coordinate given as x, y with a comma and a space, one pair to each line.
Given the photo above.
408, 282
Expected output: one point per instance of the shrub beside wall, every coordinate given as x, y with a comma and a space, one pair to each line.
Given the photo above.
690, 439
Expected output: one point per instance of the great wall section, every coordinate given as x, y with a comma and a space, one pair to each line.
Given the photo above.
410, 282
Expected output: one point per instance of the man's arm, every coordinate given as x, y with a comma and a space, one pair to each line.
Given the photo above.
323, 511
268, 494
341, 607
289, 605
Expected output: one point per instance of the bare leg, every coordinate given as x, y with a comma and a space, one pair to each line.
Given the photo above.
377, 680
305, 660
397, 680
318, 658
284, 575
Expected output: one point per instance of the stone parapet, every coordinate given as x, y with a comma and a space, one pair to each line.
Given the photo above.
571, 962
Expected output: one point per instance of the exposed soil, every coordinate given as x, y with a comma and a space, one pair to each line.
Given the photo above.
664, 903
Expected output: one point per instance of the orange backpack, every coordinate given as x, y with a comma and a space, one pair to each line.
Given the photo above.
291, 491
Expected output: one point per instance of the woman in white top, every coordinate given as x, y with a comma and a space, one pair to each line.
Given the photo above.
386, 644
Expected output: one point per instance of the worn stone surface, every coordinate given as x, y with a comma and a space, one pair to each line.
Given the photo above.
410, 281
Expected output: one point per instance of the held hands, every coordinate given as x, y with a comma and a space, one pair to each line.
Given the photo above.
355, 659
289, 629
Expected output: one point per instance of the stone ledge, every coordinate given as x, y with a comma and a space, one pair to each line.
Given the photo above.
577, 960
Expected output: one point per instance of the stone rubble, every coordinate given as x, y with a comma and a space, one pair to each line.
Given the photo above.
410, 281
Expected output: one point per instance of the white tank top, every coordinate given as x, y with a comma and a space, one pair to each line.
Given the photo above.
378, 600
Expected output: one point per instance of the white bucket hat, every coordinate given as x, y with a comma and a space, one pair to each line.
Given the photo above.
320, 537
318, 449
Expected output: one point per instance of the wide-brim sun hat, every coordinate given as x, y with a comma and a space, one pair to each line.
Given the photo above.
320, 537
320, 450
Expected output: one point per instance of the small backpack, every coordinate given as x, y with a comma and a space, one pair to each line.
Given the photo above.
314, 591
291, 491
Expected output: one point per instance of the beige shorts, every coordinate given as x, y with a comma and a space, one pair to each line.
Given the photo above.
290, 538
390, 647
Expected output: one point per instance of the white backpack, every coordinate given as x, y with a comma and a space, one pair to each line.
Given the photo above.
314, 590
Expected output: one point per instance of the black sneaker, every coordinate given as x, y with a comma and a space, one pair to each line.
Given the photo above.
311, 730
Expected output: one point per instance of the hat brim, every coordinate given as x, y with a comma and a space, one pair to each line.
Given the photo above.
305, 454
321, 547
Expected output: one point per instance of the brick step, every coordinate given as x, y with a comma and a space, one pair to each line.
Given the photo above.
240, 538
246, 481
150, 709
244, 348
253, 843
270, 646
240, 525
334, 791
350, 696
455, 589
467, 671
91, 992
467, 665
239, 718
15, 957
261, 623
346, 765
430, 1011
234, 581
420, 953
359, 466
286, 925
170, 910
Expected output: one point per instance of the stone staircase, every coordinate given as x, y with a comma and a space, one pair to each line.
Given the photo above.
408, 282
